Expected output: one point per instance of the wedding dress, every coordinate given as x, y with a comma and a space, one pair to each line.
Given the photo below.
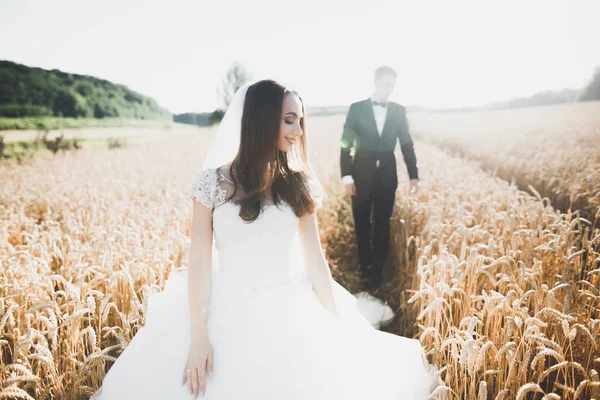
272, 338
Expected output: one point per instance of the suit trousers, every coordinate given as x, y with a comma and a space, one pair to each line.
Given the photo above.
379, 200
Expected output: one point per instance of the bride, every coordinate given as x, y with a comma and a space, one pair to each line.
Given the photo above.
257, 315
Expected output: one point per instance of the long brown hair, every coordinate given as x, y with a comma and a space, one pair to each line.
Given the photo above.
260, 165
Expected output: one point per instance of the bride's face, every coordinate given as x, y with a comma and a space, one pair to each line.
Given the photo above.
290, 129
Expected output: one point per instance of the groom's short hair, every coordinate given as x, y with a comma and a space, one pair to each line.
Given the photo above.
385, 70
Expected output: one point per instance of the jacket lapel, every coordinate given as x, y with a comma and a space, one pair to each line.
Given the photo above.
368, 110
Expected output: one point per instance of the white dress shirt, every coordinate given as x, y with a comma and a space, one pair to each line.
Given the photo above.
380, 114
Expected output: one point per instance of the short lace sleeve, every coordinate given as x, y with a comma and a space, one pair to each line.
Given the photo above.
206, 188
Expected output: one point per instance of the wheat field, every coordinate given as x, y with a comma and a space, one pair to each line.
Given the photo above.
553, 148
500, 287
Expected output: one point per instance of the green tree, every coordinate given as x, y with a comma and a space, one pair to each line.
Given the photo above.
592, 90
27, 91
216, 116
234, 79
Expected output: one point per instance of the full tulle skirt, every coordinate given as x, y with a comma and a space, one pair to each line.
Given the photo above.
271, 342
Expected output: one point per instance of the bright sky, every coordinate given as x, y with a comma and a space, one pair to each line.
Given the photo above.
447, 53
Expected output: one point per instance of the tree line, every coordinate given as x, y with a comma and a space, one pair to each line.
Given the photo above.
592, 90
36, 92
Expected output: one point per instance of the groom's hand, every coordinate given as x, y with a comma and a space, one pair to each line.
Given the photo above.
414, 185
350, 189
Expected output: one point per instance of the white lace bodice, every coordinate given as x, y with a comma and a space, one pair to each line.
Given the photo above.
252, 253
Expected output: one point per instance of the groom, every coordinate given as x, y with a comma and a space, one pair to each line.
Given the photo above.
371, 129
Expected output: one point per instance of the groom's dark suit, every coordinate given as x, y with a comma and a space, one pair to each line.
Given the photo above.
373, 170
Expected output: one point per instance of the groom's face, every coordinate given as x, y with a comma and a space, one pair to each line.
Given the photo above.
384, 86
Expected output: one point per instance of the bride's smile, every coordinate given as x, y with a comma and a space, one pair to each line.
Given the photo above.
292, 125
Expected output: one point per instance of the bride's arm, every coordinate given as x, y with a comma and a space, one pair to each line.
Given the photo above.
317, 267
200, 355
199, 267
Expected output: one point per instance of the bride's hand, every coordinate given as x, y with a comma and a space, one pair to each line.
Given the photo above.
199, 364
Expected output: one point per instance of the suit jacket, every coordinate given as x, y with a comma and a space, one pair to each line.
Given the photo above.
360, 132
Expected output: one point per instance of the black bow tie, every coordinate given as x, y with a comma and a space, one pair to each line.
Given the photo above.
380, 103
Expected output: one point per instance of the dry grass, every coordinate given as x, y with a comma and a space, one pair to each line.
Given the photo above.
505, 289
502, 295
552, 148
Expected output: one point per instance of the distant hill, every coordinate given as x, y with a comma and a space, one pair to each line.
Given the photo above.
538, 99
36, 92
